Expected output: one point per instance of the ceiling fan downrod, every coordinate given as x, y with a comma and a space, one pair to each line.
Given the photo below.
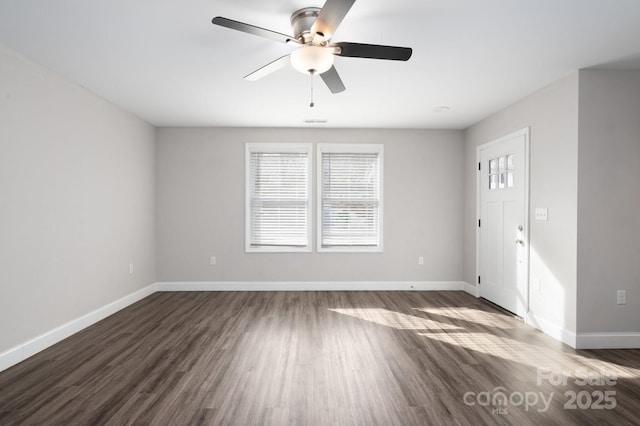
311, 72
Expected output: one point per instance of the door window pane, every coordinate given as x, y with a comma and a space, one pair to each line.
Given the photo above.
500, 172
493, 181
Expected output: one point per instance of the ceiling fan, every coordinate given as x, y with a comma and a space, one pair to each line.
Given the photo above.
314, 54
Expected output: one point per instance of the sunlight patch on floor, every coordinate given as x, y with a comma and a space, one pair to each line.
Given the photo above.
537, 356
476, 316
395, 320
524, 353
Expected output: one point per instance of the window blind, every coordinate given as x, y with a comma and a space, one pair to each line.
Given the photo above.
279, 199
350, 199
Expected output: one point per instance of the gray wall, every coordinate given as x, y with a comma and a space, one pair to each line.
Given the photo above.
609, 201
552, 115
76, 201
200, 208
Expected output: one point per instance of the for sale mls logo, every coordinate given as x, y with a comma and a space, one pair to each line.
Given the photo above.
598, 398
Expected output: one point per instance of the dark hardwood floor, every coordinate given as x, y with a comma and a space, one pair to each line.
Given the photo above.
318, 358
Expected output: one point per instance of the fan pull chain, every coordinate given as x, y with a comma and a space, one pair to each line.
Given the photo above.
312, 72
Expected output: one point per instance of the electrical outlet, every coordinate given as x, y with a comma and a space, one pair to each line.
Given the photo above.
212, 260
420, 260
622, 297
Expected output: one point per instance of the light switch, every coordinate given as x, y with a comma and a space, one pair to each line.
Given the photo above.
541, 213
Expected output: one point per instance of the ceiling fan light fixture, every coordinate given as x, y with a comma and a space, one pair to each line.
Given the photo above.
312, 59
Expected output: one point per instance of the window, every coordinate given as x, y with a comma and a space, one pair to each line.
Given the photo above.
501, 172
278, 197
350, 197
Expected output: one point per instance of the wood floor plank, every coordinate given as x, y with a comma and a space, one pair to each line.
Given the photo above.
315, 358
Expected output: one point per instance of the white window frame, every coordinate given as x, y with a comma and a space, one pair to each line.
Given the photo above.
284, 148
350, 148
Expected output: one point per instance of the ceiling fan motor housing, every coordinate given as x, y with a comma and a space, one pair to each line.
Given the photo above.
302, 21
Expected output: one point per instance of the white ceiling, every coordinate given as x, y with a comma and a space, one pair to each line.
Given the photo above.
165, 62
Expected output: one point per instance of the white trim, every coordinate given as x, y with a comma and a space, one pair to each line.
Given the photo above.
629, 340
31, 347
551, 329
526, 132
17, 354
311, 286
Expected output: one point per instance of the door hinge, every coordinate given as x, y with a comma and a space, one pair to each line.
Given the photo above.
479, 166
478, 223
478, 279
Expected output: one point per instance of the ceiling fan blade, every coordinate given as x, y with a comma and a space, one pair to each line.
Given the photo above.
332, 80
251, 29
269, 68
332, 13
373, 51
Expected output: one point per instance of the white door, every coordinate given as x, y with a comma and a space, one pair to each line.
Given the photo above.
503, 245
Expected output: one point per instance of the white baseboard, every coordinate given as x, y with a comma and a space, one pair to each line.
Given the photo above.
551, 329
630, 340
23, 351
311, 286
581, 341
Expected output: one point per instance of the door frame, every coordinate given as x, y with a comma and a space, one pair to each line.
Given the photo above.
526, 133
